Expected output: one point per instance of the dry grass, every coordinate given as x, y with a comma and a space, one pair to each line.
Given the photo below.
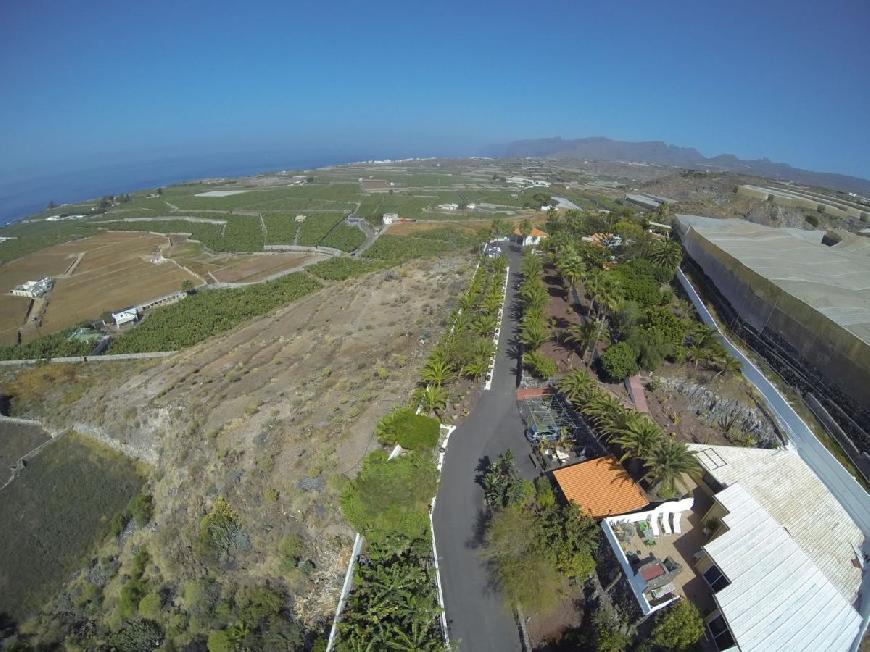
257, 267
273, 416
13, 311
116, 271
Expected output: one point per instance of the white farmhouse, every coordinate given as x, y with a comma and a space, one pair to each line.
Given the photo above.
33, 289
125, 316
447, 207
389, 218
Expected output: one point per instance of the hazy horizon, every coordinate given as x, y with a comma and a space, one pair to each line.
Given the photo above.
116, 84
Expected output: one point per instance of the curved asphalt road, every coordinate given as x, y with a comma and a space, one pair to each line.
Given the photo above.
839, 482
477, 617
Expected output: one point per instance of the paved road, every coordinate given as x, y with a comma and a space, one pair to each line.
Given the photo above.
845, 488
477, 617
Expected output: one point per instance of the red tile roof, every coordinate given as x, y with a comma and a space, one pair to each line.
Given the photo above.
601, 487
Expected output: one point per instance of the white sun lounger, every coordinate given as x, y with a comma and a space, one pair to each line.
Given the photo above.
678, 516
666, 523
654, 526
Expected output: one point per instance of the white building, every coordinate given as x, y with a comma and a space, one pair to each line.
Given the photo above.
528, 183
389, 218
125, 316
33, 289
300, 219
447, 207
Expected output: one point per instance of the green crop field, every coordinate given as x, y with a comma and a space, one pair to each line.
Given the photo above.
280, 228
54, 513
393, 249
210, 312
344, 237
316, 226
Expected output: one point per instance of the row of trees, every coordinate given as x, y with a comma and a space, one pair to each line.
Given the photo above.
649, 451
534, 329
393, 605
467, 347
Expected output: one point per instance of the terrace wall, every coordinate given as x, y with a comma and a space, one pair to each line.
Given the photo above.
804, 346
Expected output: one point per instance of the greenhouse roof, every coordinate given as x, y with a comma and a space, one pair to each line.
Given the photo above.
835, 281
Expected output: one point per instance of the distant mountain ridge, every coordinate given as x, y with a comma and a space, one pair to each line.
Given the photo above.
660, 153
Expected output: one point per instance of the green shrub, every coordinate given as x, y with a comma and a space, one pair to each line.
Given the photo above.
812, 220
619, 361
219, 641
679, 627
220, 532
292, 549
411, 431
135, 587
391, 497
540, 365
150, 606
141, 508
342, 268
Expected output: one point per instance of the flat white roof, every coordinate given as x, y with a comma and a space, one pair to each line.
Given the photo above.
778, 599
793, 495
219, 193
834, 281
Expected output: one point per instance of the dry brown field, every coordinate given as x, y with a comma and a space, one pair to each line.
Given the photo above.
48, 262
13, 310
116, 271
248, 269
234, 268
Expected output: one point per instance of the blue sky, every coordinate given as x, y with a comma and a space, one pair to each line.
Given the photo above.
86, 84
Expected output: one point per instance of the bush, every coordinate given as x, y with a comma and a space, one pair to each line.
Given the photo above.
619, 361
812, 220
408, 430
540, 365
150, 606
220, 532
141, 509
679, 627
391, 497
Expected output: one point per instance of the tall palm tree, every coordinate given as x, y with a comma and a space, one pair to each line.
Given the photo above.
637, 438
667, 462
572, 269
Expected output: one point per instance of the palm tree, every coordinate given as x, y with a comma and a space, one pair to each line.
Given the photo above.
433, 398
533, 332
576, 386
667, 462
667, 256
726, 364
637, 438
437, 370
572, 269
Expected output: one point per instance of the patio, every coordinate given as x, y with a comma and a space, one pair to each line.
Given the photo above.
661, 566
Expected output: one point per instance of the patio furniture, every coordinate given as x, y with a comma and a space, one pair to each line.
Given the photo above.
663, 591
666, 525
677, 516
654, 526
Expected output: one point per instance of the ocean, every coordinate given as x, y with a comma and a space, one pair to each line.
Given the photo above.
18, 199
